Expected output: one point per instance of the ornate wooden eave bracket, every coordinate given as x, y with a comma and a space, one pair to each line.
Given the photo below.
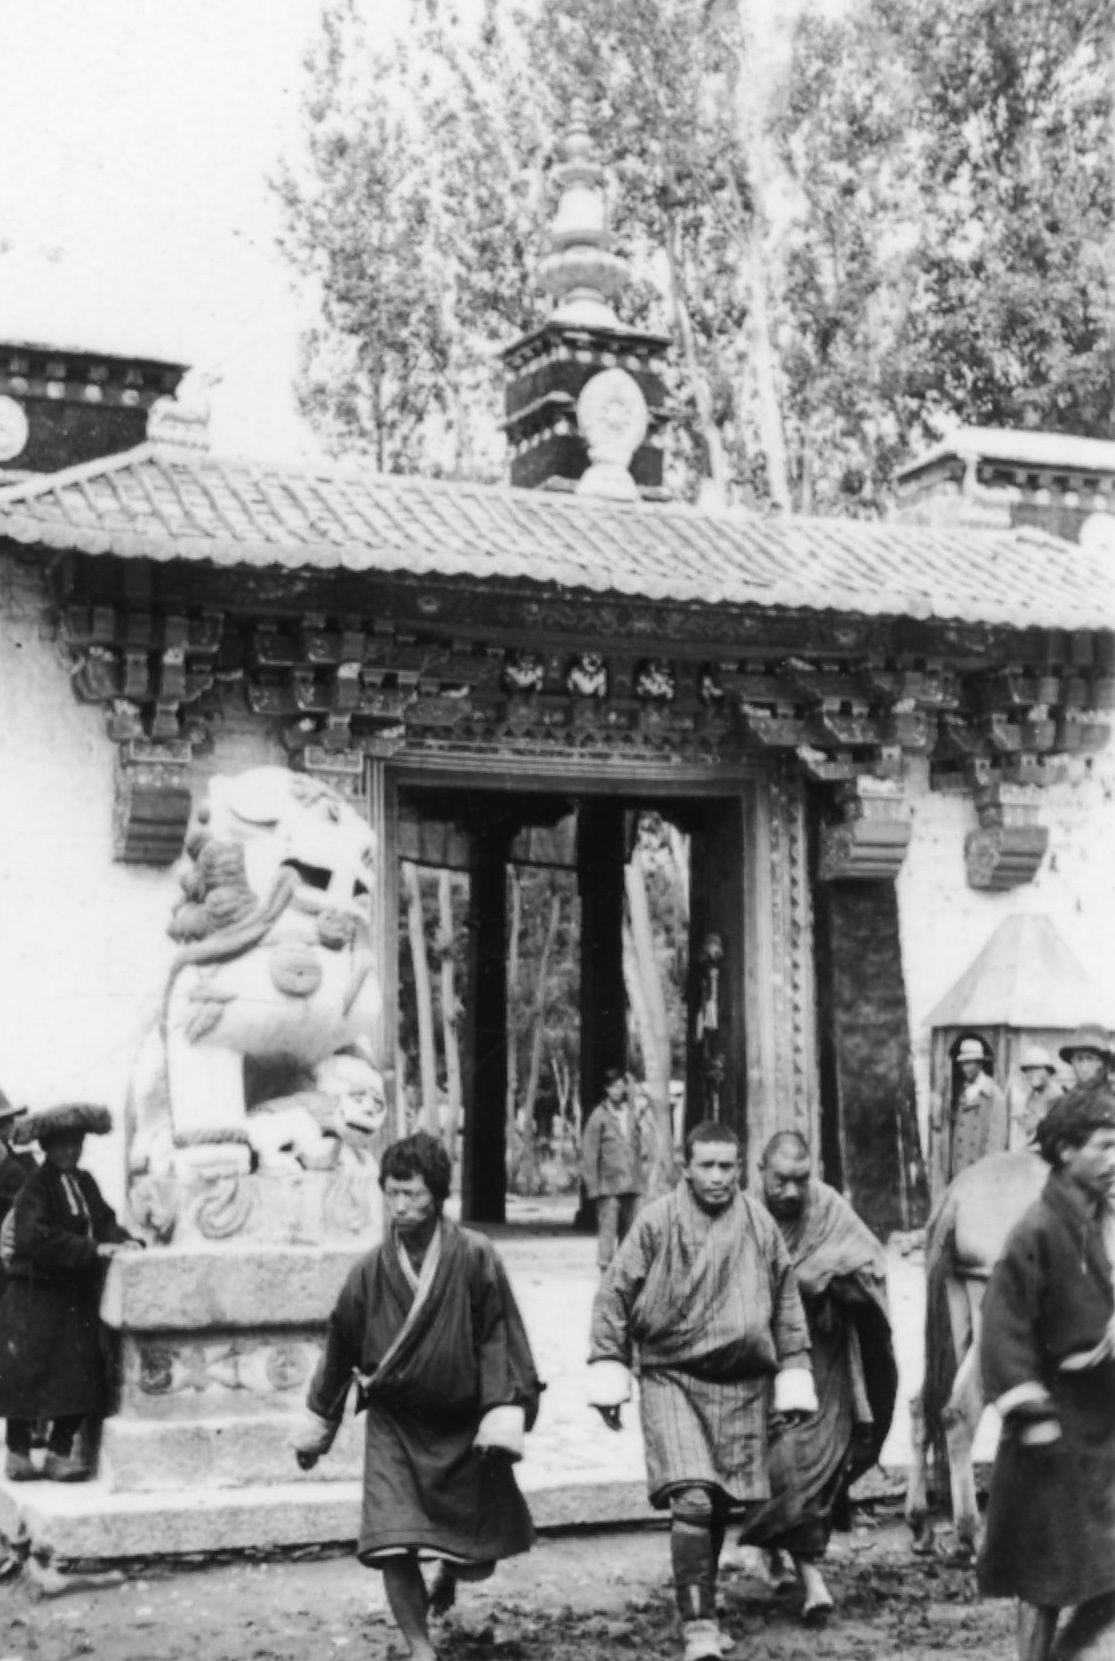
870, 842
152, 676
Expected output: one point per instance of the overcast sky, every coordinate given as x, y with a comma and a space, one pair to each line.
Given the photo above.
136, 137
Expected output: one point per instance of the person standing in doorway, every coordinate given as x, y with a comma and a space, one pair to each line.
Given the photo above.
615, 1159
1032, 1095
979, 1120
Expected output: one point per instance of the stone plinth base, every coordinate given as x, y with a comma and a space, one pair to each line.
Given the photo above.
64, 1523
217, 1347
208, 1454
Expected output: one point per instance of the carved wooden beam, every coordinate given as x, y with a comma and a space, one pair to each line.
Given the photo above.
1010, 844
152, 801
870, 844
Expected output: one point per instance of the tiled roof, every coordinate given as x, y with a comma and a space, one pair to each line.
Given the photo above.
147, 504
1063, 451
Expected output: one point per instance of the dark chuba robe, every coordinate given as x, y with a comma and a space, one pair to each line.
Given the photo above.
841, 1275
52, 1361
1051, 1514
15, 1168
426, 1488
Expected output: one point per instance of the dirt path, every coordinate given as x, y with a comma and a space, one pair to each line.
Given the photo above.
575, 1598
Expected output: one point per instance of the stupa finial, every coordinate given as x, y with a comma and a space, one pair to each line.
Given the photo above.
581, 272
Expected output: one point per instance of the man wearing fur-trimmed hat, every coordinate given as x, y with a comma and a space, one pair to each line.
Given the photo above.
1032, 1094
979, 1121
51, 1362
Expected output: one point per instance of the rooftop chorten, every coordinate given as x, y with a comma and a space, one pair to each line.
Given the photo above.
585, 398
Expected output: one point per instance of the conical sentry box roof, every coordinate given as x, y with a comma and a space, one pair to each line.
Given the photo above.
1025, 977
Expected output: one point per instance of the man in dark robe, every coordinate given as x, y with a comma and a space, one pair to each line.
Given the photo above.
428, 1328
841, 1274
15, 1167
52, 1361
701, 1299
1047, 1354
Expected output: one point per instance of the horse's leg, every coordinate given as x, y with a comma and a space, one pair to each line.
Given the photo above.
1036, 1625
917, 1490
961, 1420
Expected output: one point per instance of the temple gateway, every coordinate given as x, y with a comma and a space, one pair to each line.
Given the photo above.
880, 737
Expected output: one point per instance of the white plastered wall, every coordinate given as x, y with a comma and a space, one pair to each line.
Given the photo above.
945, 924
83, 944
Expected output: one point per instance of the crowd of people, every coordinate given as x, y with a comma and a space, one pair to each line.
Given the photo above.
748, 1319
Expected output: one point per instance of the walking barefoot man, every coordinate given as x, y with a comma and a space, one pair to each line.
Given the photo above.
428, 1326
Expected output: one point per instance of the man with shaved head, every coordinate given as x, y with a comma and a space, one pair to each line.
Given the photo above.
841, 1275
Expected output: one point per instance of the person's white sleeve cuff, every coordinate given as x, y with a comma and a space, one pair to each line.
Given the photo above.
503, 1428
1020, 1395
794, 1391
609, 1384
1040, 1434
311, 1433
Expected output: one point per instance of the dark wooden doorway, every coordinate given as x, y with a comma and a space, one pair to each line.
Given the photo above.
481, 831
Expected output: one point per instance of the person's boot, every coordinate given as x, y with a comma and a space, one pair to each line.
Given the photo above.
65, 1467
19, 1467
702, 1640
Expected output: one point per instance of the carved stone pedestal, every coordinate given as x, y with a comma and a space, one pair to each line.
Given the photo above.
216, 1351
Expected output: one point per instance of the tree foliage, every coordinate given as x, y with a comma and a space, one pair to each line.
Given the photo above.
861, 225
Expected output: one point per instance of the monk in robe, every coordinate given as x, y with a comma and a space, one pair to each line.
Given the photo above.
841, 1275
701, 1300
428, 1329
1047, 1356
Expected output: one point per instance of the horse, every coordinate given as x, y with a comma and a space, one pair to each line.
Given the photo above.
965, 1237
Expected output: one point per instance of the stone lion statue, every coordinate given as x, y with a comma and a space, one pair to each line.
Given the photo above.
274, 976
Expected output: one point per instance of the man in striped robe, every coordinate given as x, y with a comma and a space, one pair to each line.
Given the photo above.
701, 1302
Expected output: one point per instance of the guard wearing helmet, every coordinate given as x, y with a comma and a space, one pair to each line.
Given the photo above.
1032, 1094
979, 1120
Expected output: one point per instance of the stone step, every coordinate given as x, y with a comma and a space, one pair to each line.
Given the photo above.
151, 1456
68, 1522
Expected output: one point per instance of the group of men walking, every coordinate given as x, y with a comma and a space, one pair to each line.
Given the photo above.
755, 1322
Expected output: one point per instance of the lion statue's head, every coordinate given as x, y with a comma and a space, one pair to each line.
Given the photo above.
267, 839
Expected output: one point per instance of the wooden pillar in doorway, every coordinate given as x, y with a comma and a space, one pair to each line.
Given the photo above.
601, 854
484, 1153
383, 816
